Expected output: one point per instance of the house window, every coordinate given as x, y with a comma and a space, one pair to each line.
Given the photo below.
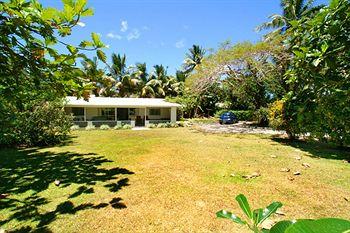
78, 114
107, 114
154, 112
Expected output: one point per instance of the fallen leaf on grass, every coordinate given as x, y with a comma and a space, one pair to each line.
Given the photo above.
253, 175
306, 165
285, 169
297, 173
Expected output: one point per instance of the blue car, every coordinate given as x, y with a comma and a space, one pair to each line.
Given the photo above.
228, 118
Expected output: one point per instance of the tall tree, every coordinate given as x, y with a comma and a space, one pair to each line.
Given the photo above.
291, 10
193, 58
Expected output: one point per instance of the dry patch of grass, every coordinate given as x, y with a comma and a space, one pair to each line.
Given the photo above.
166, 180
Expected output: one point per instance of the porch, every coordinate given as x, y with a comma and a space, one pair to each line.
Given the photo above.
98, 116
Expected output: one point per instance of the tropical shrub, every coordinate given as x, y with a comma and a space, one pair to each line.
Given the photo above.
118, 127
151, 126
262, 116
105, 127
161, 125
174, 125
127, 126
255, 218
74, 127
90, 127
43, 123
318, 103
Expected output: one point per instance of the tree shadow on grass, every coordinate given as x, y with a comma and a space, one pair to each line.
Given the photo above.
26, 173
317, 149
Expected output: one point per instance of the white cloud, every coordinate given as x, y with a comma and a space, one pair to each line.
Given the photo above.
180, 44
124, 26
107, 46
135, 34
145, 28
114, 36
81, 24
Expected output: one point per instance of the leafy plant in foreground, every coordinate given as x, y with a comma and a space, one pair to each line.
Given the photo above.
256, 217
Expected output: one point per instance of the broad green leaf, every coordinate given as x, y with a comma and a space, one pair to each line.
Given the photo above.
68, 12
272, 208
101, 55
257, 215
68, 2
334, 3
299, 54
85, 44
324, 47
79, 5
243, 203
49, 13
72, 49
87, 12
280, 227
96, 39
229, 215
325, 225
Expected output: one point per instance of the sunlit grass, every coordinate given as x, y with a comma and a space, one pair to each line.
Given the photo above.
165, 180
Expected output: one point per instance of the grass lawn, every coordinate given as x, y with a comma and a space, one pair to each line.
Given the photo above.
165, 180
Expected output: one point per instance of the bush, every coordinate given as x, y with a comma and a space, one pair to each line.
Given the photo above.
151, 126
44, 123
242, 115
90, 127
161, 125
174, 125
262, 116
168, 125
104, 127
181, 124
118, 127
127, 126
74, 127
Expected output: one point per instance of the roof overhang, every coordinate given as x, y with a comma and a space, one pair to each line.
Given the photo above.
114, 102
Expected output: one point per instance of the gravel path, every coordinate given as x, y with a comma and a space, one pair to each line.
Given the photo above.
240, 127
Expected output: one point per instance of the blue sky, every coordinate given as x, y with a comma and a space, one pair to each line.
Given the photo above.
161, 31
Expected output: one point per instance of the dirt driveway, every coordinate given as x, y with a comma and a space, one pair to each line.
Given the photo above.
243, 127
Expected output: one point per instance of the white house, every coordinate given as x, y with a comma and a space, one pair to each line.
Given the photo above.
112, 111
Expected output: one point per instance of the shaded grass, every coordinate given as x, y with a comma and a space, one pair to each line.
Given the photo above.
165, 180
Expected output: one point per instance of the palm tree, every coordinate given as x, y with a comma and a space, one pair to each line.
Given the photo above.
292, 10
96, 76
193, 58
126, 81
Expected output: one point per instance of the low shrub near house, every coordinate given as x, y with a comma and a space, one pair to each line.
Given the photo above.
151, 126
118, 127
41, 123
90, 127
74, 127
105, 127
127, 126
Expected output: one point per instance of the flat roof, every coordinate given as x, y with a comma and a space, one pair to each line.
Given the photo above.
94, 101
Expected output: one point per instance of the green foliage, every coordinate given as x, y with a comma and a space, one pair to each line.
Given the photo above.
118, 127
262, 116
105, 127
255, 218
32, 70
151, 126
319, 100
127, 126
43, 123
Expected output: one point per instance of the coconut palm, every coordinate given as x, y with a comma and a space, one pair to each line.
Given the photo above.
292, 10
193, 58
101, 83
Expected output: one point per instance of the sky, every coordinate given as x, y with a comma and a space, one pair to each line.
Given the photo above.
162, 31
